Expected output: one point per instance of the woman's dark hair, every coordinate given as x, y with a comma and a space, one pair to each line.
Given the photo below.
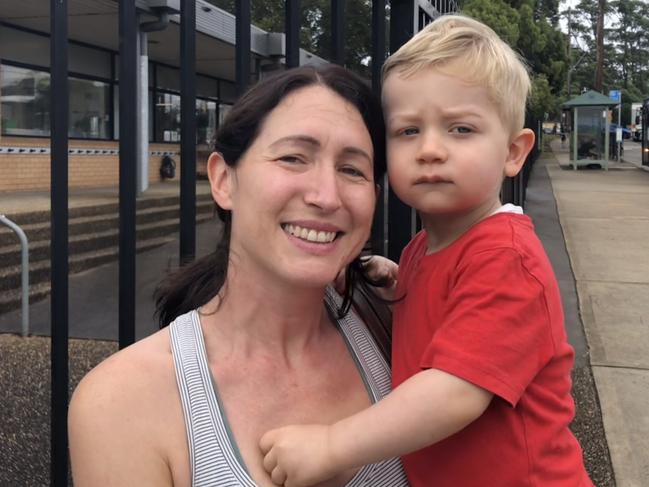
195, 284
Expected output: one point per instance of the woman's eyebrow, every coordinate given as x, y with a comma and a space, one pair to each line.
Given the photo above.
314, 143
297, 139
356, 151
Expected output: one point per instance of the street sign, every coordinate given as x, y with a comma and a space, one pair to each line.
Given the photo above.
615, 95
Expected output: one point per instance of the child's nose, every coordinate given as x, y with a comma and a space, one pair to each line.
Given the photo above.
432, 148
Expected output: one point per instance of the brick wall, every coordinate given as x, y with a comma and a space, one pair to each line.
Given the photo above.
26, 172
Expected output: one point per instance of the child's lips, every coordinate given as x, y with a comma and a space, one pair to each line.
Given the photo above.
434, 179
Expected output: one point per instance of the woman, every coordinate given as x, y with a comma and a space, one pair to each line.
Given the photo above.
256, 341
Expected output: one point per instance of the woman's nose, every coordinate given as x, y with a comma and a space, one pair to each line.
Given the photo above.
323, 189
431, 148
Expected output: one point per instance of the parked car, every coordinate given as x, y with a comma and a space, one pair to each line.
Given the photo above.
626, 133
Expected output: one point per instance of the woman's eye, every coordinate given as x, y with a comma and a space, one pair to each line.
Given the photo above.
353, 171
291, 159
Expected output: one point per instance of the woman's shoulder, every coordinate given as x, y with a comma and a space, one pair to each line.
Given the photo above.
133, 369
127, 407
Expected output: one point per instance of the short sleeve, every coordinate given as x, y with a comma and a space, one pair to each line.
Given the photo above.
496, 332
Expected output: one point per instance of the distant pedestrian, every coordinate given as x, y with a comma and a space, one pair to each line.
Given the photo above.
563, 139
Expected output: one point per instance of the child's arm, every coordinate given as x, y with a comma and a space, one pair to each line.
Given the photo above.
425, 409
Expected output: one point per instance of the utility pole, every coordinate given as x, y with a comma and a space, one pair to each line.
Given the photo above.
570, 68
599, 64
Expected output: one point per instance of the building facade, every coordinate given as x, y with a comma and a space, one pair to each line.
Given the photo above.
94, 87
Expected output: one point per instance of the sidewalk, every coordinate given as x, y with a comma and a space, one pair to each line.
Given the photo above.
605, 220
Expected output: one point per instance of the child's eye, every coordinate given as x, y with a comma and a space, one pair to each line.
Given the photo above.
462, 130
409, 131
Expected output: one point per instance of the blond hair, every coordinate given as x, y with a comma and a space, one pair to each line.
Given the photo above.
472, 51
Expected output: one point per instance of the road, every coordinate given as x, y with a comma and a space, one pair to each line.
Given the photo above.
632, 152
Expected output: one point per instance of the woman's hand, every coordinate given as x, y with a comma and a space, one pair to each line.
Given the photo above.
299, 456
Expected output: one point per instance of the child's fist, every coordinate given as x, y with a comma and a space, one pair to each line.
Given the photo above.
298, 456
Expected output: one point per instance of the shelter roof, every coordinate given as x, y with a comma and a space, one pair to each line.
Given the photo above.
590, 99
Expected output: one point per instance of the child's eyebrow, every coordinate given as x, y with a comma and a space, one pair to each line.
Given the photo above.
464, 111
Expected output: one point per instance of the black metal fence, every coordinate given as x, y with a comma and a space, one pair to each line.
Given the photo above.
513, 189
406, 17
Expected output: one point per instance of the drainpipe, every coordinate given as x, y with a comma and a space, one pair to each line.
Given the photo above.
160, 23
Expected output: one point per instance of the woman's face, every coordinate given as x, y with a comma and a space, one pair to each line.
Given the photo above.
303, 195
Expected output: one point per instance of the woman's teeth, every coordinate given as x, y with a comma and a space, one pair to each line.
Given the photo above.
310, 234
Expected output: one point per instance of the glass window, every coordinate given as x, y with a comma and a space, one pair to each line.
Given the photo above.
207, 87
88, 61
228, 91
168, 78
224, 108
24, 47
25, 101
205, 121
167, 117
89, 109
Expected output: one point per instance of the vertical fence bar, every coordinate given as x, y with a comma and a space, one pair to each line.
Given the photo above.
399, 214
59, 239
187, 130
242, 48
127, 168
337, 31
378, 56
292, 28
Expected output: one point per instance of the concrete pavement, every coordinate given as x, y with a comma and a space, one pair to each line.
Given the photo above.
605, 220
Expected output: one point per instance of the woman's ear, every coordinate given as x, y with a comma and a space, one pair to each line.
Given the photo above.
519, 147
220, 176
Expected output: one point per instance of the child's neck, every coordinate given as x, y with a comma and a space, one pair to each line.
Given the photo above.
442, 230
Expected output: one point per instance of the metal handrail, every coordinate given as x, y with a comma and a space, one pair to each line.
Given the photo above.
24, 271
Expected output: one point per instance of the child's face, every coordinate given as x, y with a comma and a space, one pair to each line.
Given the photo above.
447, 148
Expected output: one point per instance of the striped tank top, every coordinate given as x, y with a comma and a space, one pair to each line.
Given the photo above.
214, 458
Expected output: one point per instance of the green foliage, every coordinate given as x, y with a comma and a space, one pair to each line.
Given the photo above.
626, 64
502, 18
530, 27
542, 101
315, 27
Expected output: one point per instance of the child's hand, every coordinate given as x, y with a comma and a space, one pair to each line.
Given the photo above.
383, 270
298, 456
379, 269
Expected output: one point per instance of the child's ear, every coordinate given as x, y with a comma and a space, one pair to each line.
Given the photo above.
519, 147
220, 176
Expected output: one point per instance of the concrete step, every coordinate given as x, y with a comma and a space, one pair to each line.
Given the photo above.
39, 252
40, 231
39, 287
143, 203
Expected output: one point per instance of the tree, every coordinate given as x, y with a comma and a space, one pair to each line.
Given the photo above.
315, 27
624, 64
530, 27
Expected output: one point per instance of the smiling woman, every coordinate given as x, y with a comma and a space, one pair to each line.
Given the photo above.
256, 338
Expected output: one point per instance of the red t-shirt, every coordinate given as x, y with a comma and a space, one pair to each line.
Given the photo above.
487, 309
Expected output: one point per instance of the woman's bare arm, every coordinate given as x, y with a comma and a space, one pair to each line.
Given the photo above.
113, 427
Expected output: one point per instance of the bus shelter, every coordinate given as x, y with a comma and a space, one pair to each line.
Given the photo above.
589, 140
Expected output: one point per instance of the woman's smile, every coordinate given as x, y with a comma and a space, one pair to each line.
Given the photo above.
309, 234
